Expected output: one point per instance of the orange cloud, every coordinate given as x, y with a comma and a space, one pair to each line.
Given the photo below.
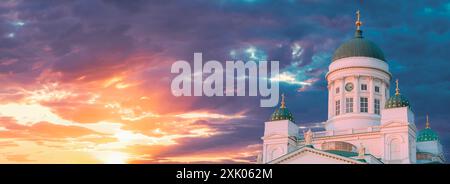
116, 116
18, 158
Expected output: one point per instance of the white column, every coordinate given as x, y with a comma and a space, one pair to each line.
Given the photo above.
356, 99
265, 154
388, 90
383, 94
371, 98
342, 90
330, 100
333, 103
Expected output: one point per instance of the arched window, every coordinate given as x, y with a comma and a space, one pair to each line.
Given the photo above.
277, 152
394, 149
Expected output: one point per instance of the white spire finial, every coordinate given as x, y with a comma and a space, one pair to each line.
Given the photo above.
358, 22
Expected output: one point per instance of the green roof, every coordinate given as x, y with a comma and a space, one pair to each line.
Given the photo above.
427, 135
397, 101
342, 153
309, 146
358, 46
361, 160
282, 113
433, 162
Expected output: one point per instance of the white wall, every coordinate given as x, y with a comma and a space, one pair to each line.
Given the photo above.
430, 146
398, 127
356, 70
279, 139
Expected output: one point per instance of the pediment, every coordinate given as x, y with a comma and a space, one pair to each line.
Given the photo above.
306, 155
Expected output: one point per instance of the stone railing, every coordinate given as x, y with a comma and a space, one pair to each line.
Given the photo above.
345, 132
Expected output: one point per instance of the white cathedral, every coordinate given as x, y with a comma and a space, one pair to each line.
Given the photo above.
366, 125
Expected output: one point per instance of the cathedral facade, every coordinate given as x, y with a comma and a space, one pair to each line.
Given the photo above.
366, 125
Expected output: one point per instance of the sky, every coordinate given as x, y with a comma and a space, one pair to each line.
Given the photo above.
88, 81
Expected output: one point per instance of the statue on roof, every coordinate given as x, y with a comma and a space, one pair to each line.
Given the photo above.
308, 137
361, 151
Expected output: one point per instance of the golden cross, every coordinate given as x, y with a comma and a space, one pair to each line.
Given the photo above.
283, 103
397, 90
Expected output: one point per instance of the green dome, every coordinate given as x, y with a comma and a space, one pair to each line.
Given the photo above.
282, 113
397, 101
358, 46
427, 135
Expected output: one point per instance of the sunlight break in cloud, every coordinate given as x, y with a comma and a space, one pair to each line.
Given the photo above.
48, 92
289, 78
29, 114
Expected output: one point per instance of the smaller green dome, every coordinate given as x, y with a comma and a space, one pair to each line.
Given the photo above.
427, 135
282, 113
397, 100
